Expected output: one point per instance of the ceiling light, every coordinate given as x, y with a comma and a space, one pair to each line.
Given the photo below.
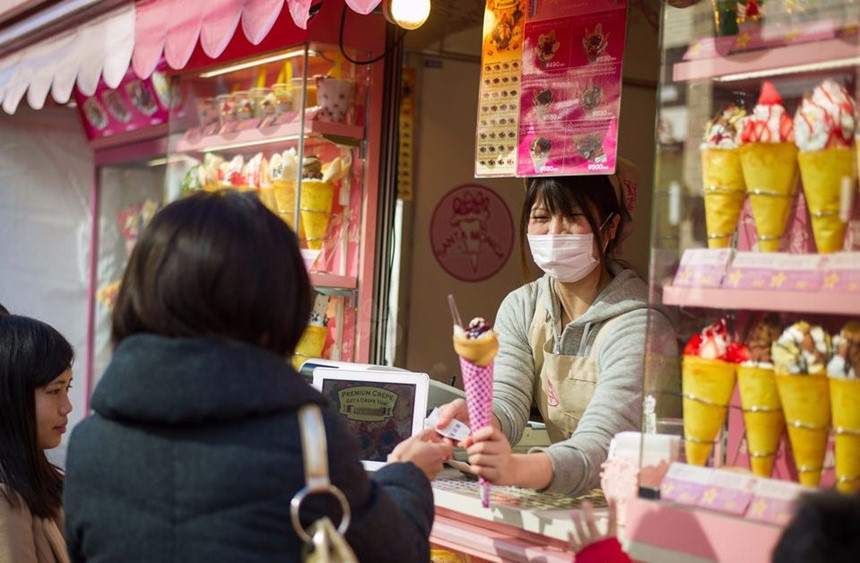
408, 14
255, 62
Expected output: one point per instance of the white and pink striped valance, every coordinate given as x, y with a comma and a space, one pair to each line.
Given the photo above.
139, 34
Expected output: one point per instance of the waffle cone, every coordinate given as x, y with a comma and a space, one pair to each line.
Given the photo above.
763, 416
310, 344
770, 174
724, 191
479, 351
284, 193
707, 389
822, 172
806, 404
317, 197
845, 402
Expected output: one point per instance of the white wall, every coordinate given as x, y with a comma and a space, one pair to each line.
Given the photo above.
46, 173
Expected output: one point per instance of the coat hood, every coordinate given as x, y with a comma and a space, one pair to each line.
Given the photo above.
172, 381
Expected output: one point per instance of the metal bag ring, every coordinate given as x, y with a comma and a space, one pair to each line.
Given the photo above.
296, 503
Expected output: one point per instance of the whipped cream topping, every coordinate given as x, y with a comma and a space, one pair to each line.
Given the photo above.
825, 118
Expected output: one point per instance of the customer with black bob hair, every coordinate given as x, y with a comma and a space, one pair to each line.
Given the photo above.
35, 378
194, 451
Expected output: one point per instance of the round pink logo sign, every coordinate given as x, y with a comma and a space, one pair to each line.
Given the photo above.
471, 232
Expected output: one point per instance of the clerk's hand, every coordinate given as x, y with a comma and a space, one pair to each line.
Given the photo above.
455, 410
427, 449
490, 456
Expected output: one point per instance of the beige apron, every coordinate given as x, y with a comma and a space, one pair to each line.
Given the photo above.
564, 384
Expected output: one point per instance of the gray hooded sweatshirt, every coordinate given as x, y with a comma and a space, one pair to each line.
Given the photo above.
617, 402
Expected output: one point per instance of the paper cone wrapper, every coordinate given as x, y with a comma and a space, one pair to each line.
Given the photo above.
763, 416
478, 383
845, 402
822, 172
267, 198
707, 389
310, 345
316, 200
285, 200
770, 174
806, 404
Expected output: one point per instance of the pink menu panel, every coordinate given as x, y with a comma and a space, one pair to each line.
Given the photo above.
571, 88
134, 104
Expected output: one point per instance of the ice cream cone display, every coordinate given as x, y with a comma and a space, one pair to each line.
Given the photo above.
722, 177
708, 373
769, 162
844, 372
283, 169
317, 197
799, 356
763, 417
824, 133
477, 346
312, 341
542, 102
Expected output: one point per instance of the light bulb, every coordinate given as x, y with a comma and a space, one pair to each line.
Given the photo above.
408, 14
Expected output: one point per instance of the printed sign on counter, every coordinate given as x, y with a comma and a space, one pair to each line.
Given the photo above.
842, 272
775, 271
571, 87
702, 267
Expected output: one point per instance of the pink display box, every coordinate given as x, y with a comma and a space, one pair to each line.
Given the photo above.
715, 489
702, 267
842, 272
773, 501
775, 271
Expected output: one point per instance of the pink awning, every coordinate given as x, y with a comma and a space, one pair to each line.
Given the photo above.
139, 34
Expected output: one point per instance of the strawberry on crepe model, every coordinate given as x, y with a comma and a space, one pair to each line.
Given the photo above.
708, 373
769, 163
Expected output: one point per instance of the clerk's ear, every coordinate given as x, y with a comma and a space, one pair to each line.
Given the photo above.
613, 225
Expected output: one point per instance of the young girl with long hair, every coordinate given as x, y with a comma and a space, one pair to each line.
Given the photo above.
35, 377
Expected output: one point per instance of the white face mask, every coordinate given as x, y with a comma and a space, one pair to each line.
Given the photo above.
567, 258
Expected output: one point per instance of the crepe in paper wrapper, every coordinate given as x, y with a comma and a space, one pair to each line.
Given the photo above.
762, 409
722, 177
708, 372
824, 133
768, 159
799, 357
844, 372
477, 346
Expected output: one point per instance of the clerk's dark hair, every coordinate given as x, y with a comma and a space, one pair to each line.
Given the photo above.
593, 196
216, 265
32, 354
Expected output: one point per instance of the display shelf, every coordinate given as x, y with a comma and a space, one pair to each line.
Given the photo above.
786, 59
660, 531
762, 300
331, 283
286, 133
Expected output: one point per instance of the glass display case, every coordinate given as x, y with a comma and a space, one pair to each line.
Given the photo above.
755, 237
289, 126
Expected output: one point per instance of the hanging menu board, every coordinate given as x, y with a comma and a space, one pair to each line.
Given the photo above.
562, 61
499, 92
571, 87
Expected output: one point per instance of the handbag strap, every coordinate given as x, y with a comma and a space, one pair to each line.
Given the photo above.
315, 455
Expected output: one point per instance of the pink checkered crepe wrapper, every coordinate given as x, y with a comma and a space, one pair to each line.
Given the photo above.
478, 381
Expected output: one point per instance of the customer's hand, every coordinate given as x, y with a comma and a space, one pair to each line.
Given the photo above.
587, 532
427, 449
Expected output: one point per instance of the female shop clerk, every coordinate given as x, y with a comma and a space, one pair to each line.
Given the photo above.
571, 343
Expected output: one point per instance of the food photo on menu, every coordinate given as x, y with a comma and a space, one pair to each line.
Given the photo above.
116, 106
141, 97
95, 113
